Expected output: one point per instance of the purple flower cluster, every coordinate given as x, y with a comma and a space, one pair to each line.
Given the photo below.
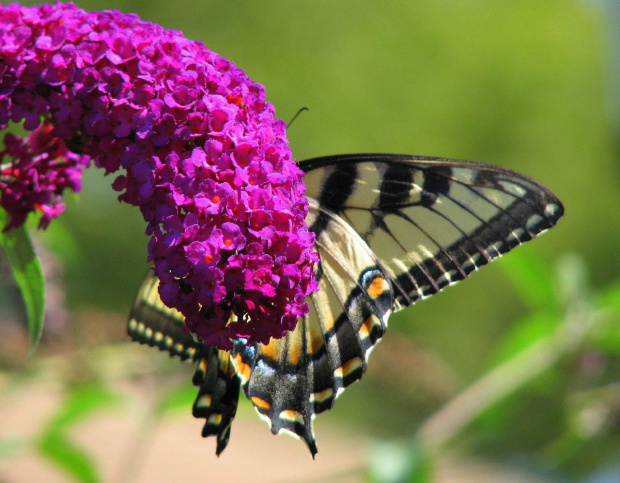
206, 160
34, 171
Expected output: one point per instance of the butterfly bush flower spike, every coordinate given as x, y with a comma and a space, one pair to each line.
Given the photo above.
203, 156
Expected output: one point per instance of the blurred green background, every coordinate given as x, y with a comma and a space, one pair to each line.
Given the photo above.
529, 85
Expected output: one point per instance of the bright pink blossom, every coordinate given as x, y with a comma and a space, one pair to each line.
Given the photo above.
205, 159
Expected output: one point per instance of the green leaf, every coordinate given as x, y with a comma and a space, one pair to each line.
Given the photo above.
609, 297
532, 278
81, 402
53, 442
28, 274
607, 335
525, 333
75, 461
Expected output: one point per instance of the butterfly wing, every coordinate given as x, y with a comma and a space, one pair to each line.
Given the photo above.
431, 221
291, 379
154, 324
390, 230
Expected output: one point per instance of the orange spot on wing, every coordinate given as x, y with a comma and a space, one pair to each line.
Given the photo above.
294, 354
260, 403
271, 350
316, 343
243, 369
376, 287
348, 367
323, 395
290, 415
367, 326
215, 419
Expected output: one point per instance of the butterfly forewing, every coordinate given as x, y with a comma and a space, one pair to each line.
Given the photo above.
431, 222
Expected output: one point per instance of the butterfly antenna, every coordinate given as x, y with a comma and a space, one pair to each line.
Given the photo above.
301, 109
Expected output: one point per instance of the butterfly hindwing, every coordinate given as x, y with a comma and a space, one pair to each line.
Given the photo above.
218, 394
390, 230
301, 374
216, 376
154, 324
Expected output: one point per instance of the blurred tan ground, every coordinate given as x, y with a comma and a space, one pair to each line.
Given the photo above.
126, 450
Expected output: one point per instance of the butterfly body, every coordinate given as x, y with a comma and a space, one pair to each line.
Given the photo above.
390, 230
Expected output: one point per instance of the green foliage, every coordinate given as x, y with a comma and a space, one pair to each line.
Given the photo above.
55, 444
607, 337
530, 402
532, 280
59, 449
28, 274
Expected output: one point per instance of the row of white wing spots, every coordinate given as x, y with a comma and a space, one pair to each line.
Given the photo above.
552, 210
472, 261
488, 204
158, 337
421, 290
517, 235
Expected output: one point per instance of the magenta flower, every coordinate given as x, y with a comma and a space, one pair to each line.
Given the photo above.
205, 159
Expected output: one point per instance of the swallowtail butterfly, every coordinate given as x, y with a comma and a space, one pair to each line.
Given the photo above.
390, 230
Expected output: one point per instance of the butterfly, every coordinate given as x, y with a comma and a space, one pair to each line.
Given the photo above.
390, 230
